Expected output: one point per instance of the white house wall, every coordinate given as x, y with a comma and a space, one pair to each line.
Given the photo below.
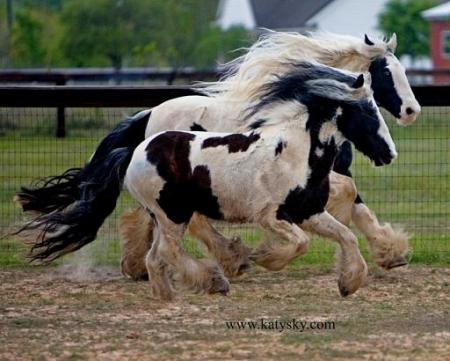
235, 12
351, 17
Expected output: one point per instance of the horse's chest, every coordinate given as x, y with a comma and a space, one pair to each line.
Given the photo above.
303, 202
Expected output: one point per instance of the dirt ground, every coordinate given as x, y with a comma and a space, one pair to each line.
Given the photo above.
51, 313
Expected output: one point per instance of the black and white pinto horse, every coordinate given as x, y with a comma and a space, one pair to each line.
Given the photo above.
273, 55
276, 175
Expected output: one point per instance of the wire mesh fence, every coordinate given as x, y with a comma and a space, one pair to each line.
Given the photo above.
413, 192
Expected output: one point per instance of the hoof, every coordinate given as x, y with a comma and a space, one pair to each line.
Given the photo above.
235, 261
343, 290
224, 291
350, 282
161, 293
268, 262
221, 286
243, 268
397, 262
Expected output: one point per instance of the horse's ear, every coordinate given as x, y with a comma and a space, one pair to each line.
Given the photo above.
368, 41
359, 82
392, 43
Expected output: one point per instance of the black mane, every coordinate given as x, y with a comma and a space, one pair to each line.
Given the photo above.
293, 85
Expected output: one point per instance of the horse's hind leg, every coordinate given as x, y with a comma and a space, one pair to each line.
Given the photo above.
275, 256
135, 230
352, 267
198, 275
389, 247
232, 254
136, 236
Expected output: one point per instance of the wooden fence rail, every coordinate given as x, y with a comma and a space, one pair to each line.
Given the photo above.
62, 97
89, 75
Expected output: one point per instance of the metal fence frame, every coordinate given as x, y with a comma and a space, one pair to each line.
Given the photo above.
116, 97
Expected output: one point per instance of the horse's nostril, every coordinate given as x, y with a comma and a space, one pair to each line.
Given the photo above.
409, 111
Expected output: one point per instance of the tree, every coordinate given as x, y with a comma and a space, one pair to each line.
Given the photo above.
175, 33
4, 39
404, 18
34, 39
103, 32
27, 40
188, 36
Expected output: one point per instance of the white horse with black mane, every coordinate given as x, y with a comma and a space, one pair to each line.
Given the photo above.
275, 54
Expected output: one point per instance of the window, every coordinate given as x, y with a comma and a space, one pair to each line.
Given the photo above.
445, 44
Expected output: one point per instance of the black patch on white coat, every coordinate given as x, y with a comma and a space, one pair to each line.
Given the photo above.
344, 159
302, 203
383, 87
280, 146
197, 128
234, 142
186, 190
257, 124
343, 162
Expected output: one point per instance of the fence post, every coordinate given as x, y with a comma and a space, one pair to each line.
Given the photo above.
61, 115
61, 123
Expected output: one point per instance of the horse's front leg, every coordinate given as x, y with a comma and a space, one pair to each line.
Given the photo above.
275, 256
231, 254
352, 267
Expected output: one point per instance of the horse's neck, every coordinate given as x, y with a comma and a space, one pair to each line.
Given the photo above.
342, 56
312, 134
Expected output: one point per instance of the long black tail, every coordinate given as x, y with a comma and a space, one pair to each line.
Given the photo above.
69, 228
55, 193
50, 193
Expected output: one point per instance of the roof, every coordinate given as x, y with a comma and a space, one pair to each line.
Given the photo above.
440, 12
285, 14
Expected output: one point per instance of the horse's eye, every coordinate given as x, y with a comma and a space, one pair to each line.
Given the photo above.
387, 72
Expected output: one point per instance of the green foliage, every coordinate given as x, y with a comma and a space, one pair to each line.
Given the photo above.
35, 39
103, 32
187, 37
39, 4
4, 38
27, 39
404, 18
173, 33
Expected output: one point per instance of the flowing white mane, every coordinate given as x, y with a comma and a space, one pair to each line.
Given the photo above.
276, 53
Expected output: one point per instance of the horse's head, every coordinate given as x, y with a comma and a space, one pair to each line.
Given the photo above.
362, 123
329, 94
390, 85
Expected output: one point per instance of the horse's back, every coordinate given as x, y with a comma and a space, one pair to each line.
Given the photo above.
195, 113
